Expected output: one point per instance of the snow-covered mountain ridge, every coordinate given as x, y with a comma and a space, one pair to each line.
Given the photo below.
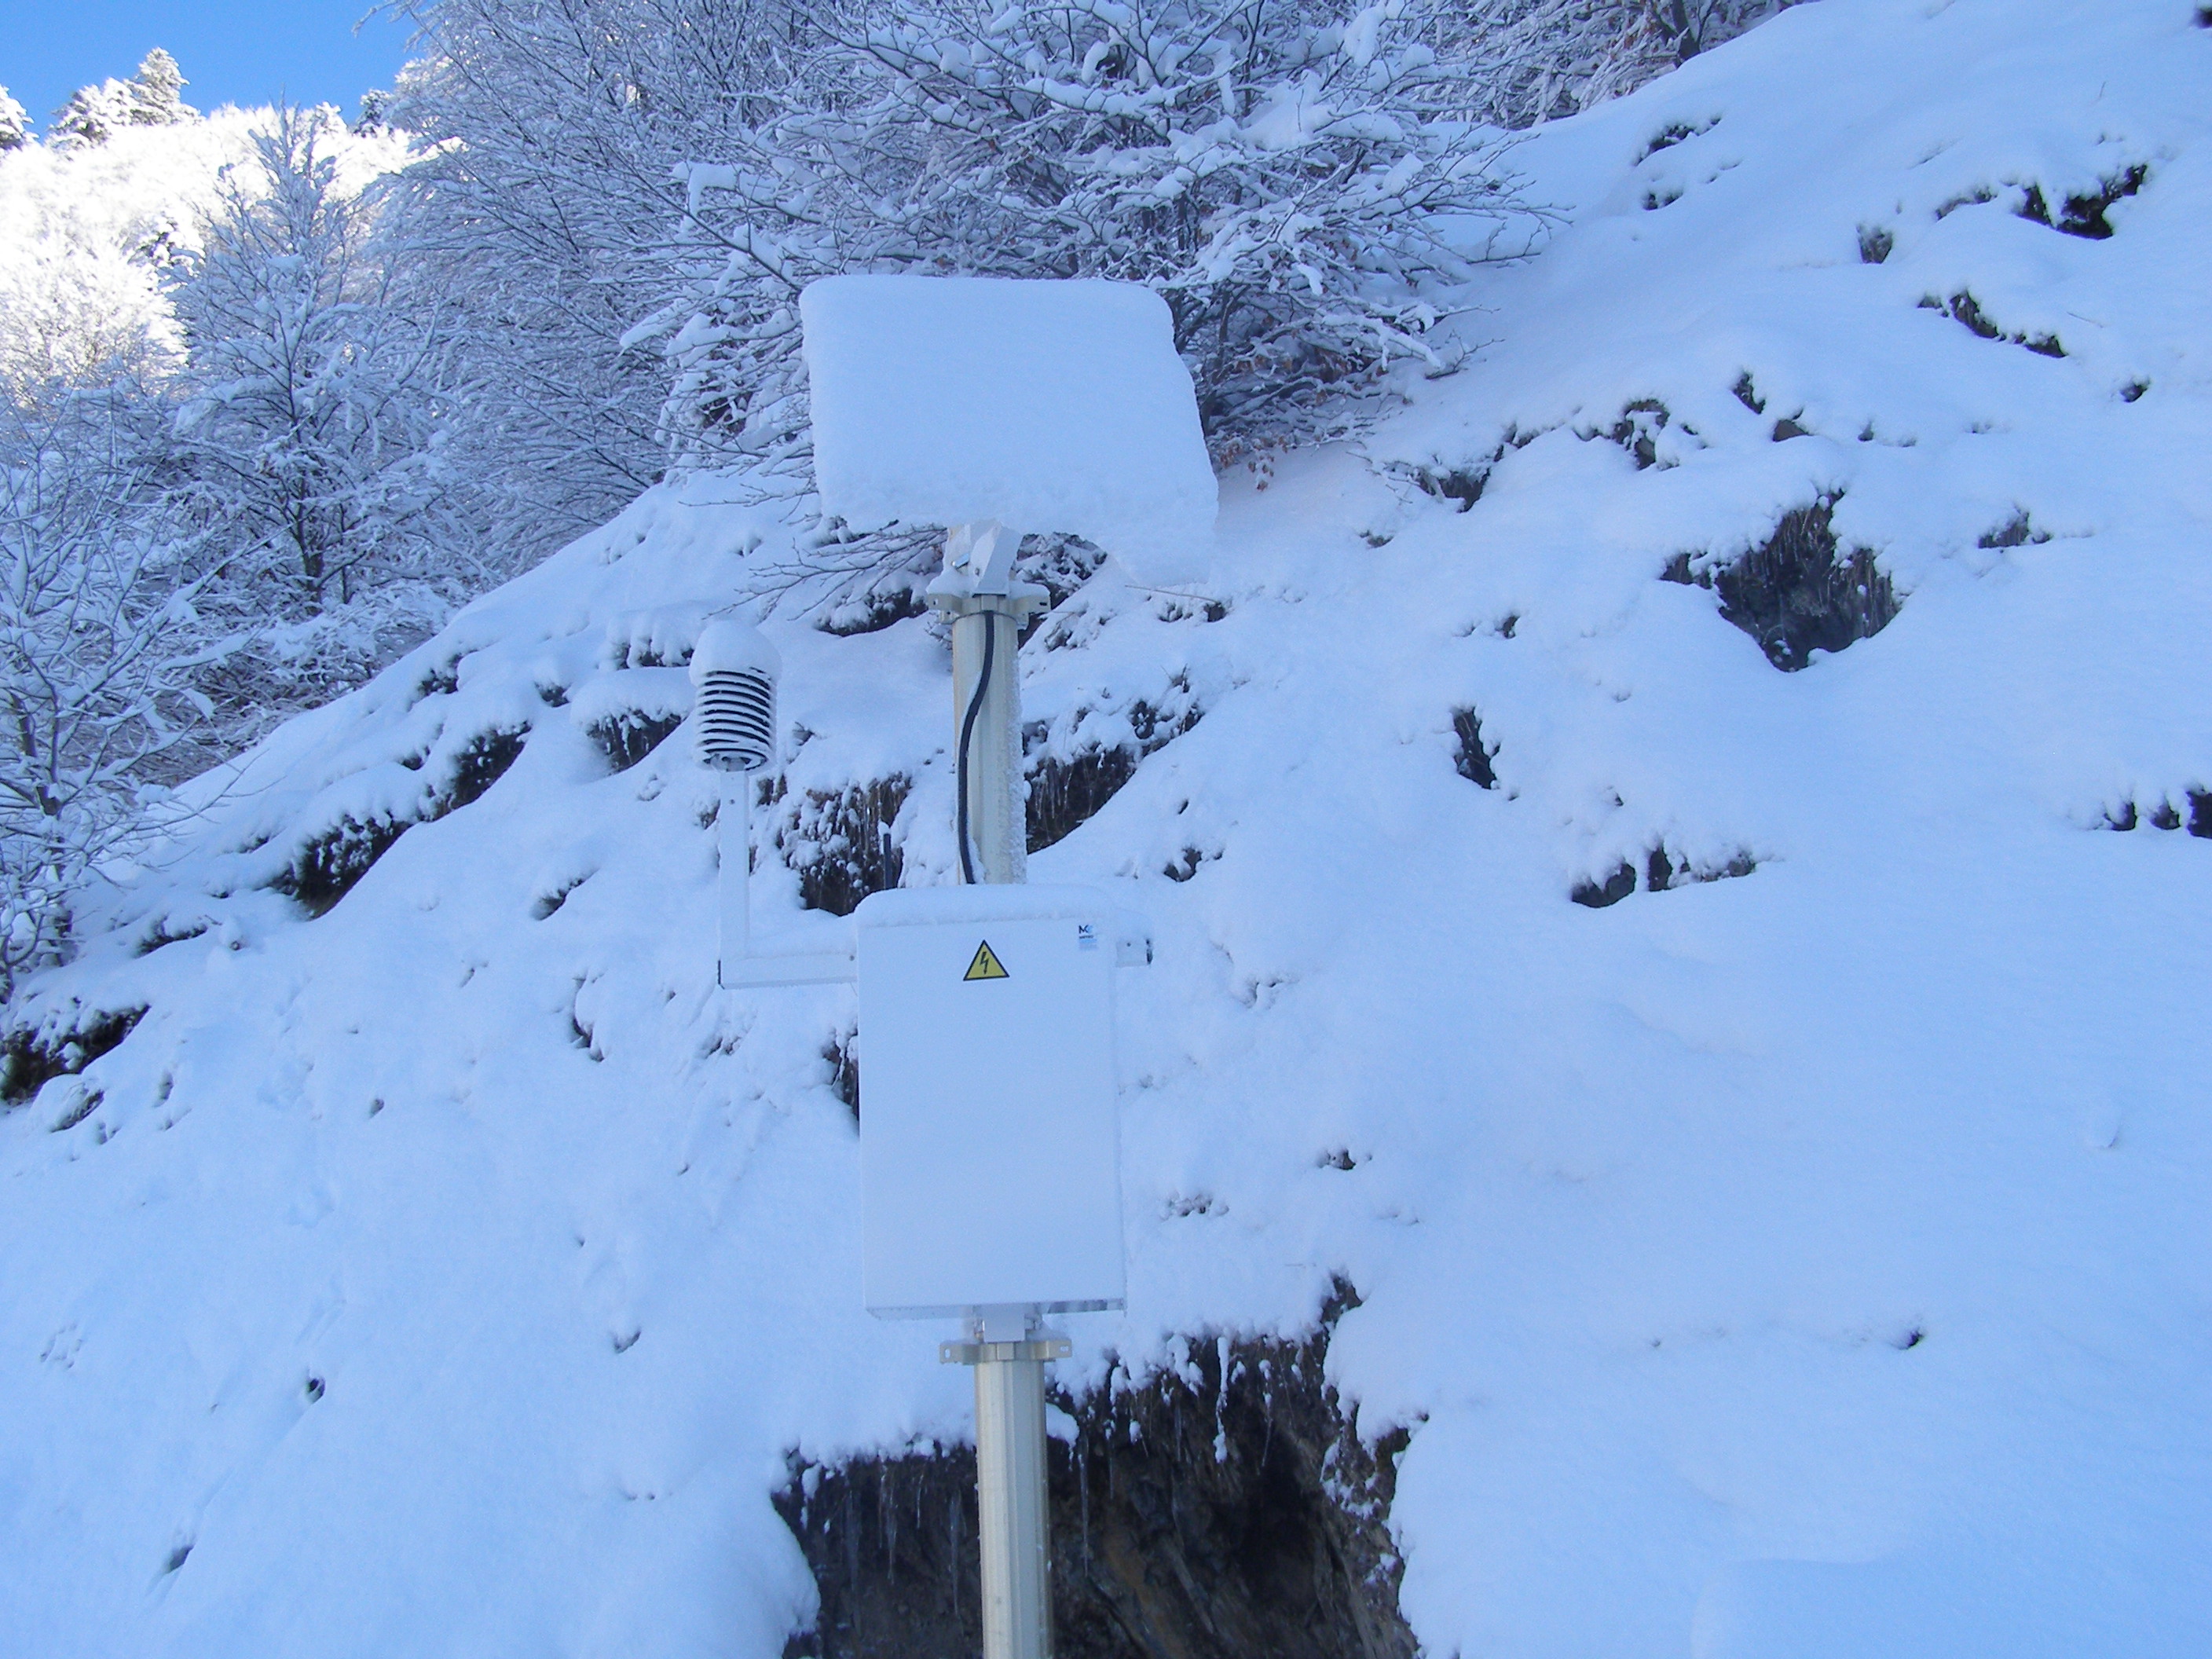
1805, 1260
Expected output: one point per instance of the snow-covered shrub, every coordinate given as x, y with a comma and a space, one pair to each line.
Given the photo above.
327, 864
1300, 183
844, 844
1074, 765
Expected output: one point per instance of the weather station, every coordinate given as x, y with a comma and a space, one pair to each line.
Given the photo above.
989, 1124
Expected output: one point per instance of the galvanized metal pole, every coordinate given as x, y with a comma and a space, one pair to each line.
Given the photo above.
1014, 1523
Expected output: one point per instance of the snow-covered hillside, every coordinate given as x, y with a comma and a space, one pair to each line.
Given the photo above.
87, 230
1797, 1247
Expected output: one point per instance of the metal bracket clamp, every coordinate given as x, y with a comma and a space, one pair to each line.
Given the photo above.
1000, 1353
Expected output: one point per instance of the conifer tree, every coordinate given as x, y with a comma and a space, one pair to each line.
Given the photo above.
91, 115
15, 124
156, 92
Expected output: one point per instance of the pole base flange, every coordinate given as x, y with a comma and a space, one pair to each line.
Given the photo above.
1000, 1353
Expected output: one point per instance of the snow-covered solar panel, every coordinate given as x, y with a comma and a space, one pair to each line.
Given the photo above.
1050, 406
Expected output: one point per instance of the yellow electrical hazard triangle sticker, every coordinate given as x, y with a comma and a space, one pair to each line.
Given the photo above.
986, 964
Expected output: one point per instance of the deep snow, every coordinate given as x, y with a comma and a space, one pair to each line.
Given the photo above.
1808, 1263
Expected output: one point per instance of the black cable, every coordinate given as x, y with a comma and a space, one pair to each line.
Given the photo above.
968, 731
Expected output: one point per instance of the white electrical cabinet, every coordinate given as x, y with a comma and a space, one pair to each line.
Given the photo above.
990, 1158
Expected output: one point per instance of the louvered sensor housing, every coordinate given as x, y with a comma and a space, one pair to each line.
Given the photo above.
733, 671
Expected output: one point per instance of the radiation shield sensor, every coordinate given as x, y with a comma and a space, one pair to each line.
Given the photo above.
990, 1147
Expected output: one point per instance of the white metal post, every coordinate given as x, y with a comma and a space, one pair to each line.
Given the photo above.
1010, 1490
733, 822
1013, 1525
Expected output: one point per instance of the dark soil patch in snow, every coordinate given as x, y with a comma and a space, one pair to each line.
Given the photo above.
1797, 594
33, 1056
841, 844
1674, 132
2166, 816
630, 736
162, 934
1965, 310
440, 679
1066, 791
328, 865
482, 762
1661, 870
1228, 1512
1614, 889
2084, 215
1979, 195
1462, 484
1876, 243
2018, 531
1473, 757
875, 608
843, 1051
545, 904
1185, 863
1637, 432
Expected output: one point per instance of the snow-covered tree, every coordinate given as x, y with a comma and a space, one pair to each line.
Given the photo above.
1301, 184
15, 124
91, 115
545, 202
1301, 179
100, 641
310, 426
152, 98
156, 93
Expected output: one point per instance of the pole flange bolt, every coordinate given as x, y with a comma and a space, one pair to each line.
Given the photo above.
1003, 1353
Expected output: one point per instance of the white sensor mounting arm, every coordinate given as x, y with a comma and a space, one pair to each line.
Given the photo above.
733, 673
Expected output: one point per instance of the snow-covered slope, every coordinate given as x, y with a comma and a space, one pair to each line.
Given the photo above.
86, 230
1807, 1261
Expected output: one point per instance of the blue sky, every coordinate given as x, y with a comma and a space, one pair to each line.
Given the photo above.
232, 51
